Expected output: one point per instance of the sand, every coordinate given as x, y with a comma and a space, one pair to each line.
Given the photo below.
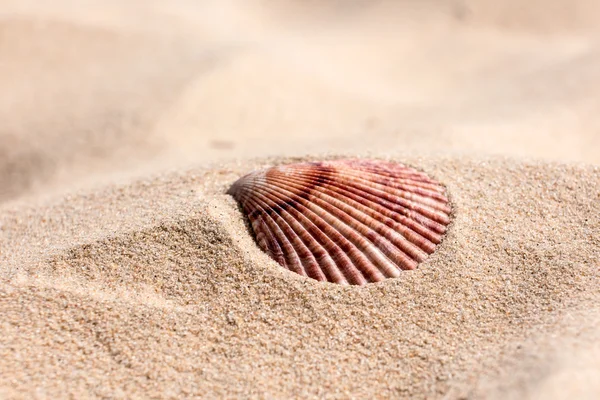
127, 272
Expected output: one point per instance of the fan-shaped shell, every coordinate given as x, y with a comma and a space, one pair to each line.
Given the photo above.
345, 221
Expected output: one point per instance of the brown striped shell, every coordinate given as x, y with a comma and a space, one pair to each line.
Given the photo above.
345, 221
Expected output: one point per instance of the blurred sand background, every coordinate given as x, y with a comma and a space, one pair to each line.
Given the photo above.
125, 271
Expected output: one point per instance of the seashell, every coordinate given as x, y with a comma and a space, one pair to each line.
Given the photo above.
345, 221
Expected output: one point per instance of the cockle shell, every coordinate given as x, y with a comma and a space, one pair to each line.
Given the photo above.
345, 221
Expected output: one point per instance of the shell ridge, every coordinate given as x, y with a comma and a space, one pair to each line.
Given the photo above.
383, 179
435, 200
411, 251
391, 189
291, 258
351, 232
390, 205
340, 211
414, 239
265, 237
368, 202
423, 209
352, 261
395, 176
310, 266
347, 261
411, 210
369, 211
393, 169
391, 178
315, 249
378, 168
314, 238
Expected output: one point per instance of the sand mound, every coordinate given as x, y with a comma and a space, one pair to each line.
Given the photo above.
177, 292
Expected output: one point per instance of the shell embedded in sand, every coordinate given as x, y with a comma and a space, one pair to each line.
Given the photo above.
345, 221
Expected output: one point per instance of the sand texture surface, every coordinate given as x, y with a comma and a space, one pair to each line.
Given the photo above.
127, 272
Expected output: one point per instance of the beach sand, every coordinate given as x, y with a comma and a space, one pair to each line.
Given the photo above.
127, 272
